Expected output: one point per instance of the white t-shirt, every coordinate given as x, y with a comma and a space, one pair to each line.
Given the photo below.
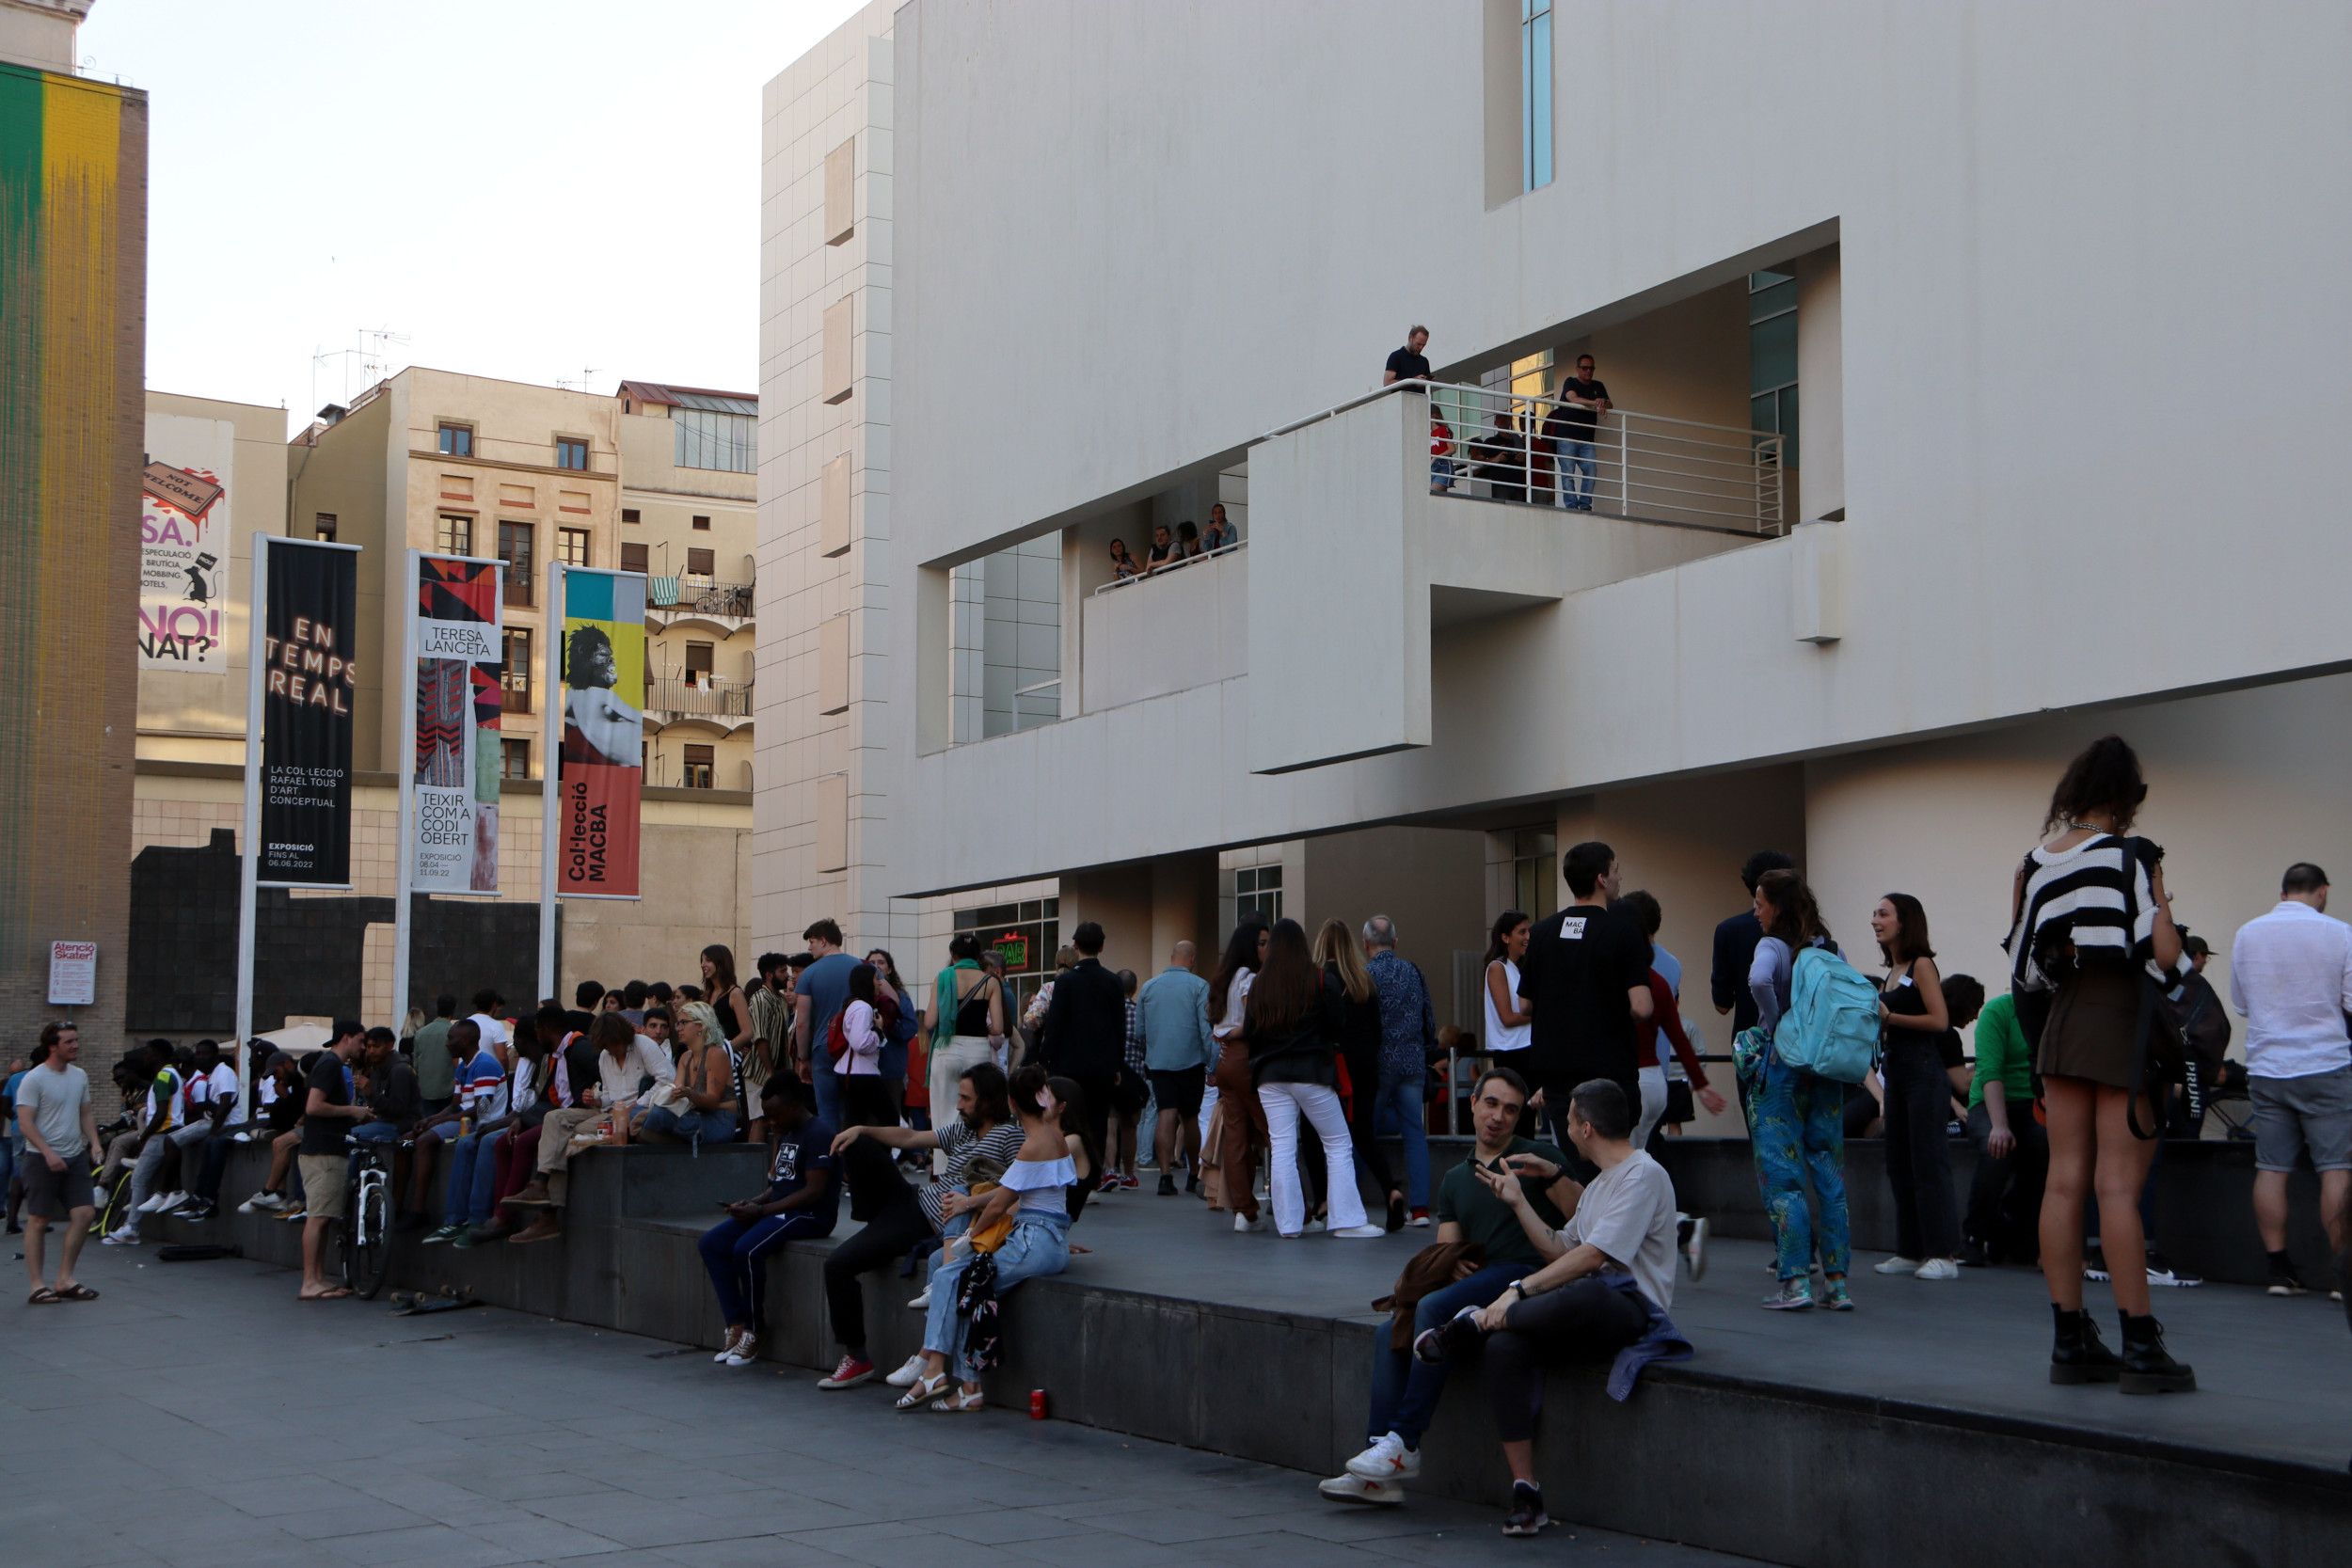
1499, 1035
1629, 1214
221, 1084
1236, 1003
494, 1031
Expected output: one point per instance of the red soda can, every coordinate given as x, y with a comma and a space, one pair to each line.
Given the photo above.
1037, 1404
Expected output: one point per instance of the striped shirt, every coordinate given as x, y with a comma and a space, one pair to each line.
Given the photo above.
2096, 898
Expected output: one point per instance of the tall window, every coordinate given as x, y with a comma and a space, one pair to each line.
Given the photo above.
571, 452
515, 548
513, 759
453, 534
517, 677
1772, 358
701, 564
634, 558
1258, 893
1522, 871
1534, 94
698, 661
456, 440
571, 546
705, 438
701, 765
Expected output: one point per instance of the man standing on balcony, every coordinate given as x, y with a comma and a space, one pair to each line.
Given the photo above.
1410, 364
1577, 425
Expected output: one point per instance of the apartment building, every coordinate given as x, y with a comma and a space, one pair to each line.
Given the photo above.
689, 478
1938, 446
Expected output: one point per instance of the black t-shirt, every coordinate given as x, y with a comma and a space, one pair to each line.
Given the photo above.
871, 1169
1581, 422
1582, 964
1947, 1049
331, 1080
1159, 553
1409, 366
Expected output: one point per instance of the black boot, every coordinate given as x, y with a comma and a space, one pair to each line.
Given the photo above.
2079, 1354
2147, 1367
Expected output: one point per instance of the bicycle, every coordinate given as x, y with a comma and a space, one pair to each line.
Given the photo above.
367, 1222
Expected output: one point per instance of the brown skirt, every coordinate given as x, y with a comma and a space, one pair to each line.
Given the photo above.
2089, 1034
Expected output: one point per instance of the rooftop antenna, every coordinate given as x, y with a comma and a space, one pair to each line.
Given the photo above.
582, 385
375, 355
320, 356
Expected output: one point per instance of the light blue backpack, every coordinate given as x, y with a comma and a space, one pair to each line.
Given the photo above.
1831, 1028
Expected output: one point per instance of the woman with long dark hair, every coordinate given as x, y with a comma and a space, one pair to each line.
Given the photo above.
1797, 1118
1912, 1020
725, 998
1239, 1119
1292, 1023
2092, 934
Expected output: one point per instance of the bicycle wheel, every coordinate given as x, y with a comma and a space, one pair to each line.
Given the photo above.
367, 1238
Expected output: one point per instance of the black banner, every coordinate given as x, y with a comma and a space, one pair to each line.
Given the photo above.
309, 635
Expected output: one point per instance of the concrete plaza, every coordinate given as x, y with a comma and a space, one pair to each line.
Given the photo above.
197, 1415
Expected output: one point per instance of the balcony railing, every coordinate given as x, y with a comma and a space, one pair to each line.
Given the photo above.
697, 597
1176, 565
678, 697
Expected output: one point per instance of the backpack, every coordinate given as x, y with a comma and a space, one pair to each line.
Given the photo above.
1832, 1027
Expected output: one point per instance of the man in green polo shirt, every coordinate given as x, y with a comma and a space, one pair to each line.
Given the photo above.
437, 1075
2013, 1154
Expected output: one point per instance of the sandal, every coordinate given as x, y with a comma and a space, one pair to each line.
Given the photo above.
335, 1292
925, 1388
43, 1297
77, 1293
959, 1403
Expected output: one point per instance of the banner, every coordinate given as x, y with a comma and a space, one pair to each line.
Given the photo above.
183, 551
604, 663
460, 697
308, 634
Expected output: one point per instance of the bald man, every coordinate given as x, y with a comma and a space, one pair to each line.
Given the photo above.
1172, 1015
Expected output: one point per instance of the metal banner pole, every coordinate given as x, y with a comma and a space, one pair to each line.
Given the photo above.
404, 692
249, 861
551, 770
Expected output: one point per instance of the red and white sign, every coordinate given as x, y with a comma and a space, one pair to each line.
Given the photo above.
73, 973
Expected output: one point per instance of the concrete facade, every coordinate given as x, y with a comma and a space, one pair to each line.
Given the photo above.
1999, 549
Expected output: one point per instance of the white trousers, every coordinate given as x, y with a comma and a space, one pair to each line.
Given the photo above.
1653, 1104
1208, 1105
1284, 1104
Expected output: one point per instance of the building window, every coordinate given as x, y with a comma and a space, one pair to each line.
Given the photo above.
701, 564
1534, 94
456, 440
454, 535
517, 676
1523, 871
324, 528
702, 523
705, 438
571, 546
634, 559
515, 548
1024, 935
628, 515
513, 759
698, 662
1772, 358
1258, 893
571, 452
701, 765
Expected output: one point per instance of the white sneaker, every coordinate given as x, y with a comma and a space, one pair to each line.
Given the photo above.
908, 1375
262, 1203
120, 1238
1361, 1233
1247, 1226
154, 1202
1896, 1265
1417, 1221
742, 1353
726, 1350
175, 1200
1312, 1226
1938, 1268
1345, 1488
1387, 1458
1695, 1249
922, 1302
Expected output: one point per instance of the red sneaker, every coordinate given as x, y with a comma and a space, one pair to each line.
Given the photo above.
852, 1371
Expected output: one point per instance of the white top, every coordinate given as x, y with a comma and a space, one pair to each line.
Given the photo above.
1040, 1182
864, 1056
494, 1031
526, 1093
1236, 1003
221, 1084
2291, 980
617, 1081
1627, 1211
1502, 1036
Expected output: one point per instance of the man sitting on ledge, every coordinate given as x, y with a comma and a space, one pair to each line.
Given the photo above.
1603, 1293
625, 1059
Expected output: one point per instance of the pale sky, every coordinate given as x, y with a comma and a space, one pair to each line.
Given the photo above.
532, 189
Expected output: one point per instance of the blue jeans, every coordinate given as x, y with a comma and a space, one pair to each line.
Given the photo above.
1400, 1101
1800, 1129
1576, 475
1039, 1245
1441, 473
465, 1162
1404, 1389
732, 1252
827, 1083
710, 1127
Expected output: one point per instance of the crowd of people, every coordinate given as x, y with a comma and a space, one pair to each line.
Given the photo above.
1169, 548
971, 1131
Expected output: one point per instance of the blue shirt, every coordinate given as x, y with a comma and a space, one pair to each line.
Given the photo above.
1408, 1023
806, 1149
16, 1133
1669, 970
1172, 1017
826, 984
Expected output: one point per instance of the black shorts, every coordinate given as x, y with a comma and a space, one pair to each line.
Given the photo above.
1179, 1092
54, 1195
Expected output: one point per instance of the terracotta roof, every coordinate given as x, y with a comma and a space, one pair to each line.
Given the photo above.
688, 397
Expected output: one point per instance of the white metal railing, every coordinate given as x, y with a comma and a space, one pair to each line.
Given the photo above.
1499, 445
1036, 705
1178, 564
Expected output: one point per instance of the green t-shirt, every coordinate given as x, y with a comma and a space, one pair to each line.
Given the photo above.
2002, 1052
1487, 1219
436, 1073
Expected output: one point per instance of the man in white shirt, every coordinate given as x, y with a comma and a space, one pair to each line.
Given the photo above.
2291, 980
484, 1015
213, 1099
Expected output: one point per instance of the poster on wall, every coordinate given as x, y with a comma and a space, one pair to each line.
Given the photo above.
603, 756
183, 564
308, 639
459, 696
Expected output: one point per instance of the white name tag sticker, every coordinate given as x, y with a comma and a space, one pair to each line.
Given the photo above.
1572, 928
1904, 981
